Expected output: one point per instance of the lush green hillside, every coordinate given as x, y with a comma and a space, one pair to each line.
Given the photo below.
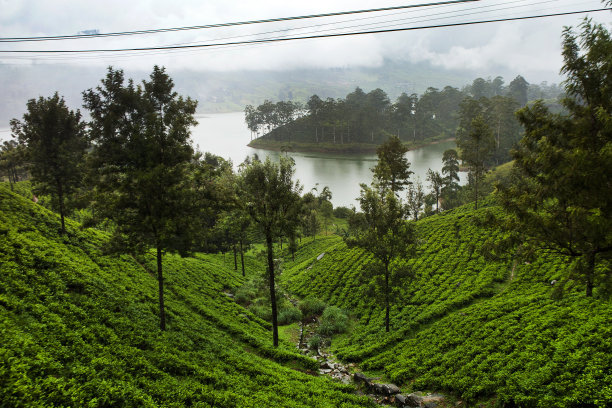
466, 326
80, 328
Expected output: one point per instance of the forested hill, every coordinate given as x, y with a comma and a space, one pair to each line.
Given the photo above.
362, 120
79, 328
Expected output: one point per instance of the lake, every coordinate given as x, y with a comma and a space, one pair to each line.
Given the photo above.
226, 135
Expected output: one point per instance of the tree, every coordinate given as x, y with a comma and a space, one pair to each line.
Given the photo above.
450, 171
273, 202
560, 199
476, 143
143, 164
518, 90
12, 161
436, 182
383, 231
415, 198
391, 171
56, 144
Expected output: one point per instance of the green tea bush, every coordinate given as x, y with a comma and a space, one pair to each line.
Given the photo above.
80, 328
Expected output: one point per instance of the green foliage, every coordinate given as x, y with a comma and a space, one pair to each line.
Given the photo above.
315, 342
466, 325
558, 198
342, 212
333, 321
272, 200
391, 170
311, 307
78, 328
55, 145
289, 315
475, 139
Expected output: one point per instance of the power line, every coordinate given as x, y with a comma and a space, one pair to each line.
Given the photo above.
200, 27
309, 37
381, 24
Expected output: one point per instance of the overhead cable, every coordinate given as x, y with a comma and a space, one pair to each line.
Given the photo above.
200, 27
308, 37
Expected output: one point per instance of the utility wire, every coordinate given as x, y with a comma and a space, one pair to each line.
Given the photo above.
200, 27
381, 24
309, 37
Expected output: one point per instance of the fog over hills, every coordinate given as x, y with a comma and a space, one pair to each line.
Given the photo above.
230, 91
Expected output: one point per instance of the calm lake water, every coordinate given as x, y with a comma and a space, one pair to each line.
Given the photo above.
226, 135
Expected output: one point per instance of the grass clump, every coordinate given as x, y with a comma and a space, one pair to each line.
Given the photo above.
311, 307
333, 321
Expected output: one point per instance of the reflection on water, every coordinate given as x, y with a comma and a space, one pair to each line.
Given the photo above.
226, 135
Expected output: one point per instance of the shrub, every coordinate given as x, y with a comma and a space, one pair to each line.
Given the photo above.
342, 212
245, 295
263, 312
333, 321
311, 307
315, 342
289, 315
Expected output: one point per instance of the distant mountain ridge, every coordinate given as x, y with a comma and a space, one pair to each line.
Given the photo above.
225, 91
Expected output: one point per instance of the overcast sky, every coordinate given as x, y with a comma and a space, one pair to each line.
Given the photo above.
530, 47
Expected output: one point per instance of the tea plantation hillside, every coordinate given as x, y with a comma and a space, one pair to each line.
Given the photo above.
475, 329
80, 328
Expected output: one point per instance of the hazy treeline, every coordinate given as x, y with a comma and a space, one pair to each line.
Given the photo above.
371, 117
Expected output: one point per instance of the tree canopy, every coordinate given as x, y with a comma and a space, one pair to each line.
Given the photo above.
56, 144
561, 198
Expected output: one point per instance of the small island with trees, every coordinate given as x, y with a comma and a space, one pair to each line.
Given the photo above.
362, 121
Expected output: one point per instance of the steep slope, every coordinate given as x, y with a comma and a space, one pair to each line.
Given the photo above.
80, 328
466, 326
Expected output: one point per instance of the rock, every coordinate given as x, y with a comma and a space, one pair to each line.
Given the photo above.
360, 378
320, 256
326, 364
325, 371
400, 400
391, 389
378, 388
413, 400
229, 295
432, 400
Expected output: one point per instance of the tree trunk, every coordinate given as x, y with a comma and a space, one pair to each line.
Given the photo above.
387, 298
235, 258
60, 193
160, 280
590, 273
272, 289
242, 258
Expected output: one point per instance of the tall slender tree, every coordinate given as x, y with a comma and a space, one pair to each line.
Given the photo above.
273, 202
476, 143
450, 172
384, 232
436, 183
56, 143
143, 158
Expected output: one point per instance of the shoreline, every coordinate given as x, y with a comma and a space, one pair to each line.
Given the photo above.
349, 148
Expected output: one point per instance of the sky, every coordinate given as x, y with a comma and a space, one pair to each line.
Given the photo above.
531, 47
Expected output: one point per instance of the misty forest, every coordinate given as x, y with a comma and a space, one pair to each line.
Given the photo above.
141, 269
